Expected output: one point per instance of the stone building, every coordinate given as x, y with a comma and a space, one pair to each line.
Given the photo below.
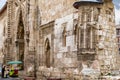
118, 35
19, 26
118, 38
19, 21
81, 37
61, 39
3, 32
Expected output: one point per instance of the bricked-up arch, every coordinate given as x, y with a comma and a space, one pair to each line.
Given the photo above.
75, 32
20, 40
47, 52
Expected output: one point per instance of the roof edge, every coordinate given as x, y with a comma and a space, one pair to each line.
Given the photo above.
77, 3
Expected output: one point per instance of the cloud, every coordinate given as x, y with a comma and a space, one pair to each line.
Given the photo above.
117, 11
117, 15
117, 3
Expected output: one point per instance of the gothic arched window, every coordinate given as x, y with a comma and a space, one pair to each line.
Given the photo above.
20, 33
20, 40
75, 23
64, 34
47, 52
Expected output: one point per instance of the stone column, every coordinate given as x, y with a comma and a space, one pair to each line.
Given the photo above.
91, 38
84, 40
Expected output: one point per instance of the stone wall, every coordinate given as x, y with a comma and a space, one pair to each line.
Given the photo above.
107, 36
54, 9
92, 51
3, 33
3, 24
59, 41
65, 55
102, 19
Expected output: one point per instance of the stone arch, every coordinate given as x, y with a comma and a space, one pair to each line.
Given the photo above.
75, 28
18, 11
20, 29
20, 41
47, 52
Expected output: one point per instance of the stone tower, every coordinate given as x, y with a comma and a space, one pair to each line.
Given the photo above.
96, 34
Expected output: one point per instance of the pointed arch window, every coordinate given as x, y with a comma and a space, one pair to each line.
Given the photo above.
47, 53
96, 13
20, 33
64, 34
4, 31
20, 40
75, 26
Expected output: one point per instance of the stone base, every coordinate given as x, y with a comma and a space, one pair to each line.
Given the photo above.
58, 74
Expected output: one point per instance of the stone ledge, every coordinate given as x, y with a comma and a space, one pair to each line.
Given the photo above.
29, 78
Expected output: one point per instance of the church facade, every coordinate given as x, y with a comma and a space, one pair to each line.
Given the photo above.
59, 39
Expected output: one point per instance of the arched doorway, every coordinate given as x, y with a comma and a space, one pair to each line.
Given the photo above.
20, 41
47, 53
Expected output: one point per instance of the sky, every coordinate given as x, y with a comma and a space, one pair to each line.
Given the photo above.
2, 2
117, 11
116, 2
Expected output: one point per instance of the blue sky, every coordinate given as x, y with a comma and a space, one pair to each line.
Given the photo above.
2, 2
116, 2
117, 11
